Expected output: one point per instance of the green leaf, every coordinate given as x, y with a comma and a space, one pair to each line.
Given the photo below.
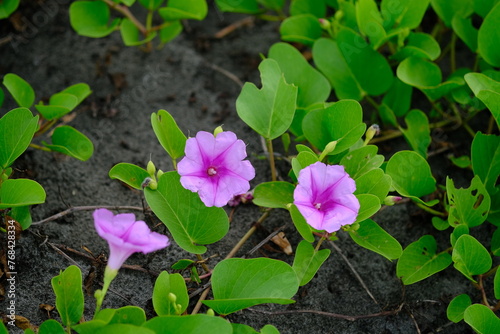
488, 36
243, 329
447, 9
69, 141
418, 133
403, 13
79, 90
303, 29
398, 98
341, 122
371, 236
242, 283
487, 90
482, 319
302, 160
131, 35
275, 5
269, 110
184, 9
495, 243
369, 205
63, 102
2, 96
458, 231
457, 307
304, 229
20, 90
482, 8
411, 175
130, 174
8, 7
375, 182
307, 261
189, 324
51, 326
20, 192
440, 224
128, 2
168, 133
462, 162
470, 257
468, 206
182, 264
69, 295
370, 68
362, 160
244, 7
22, 215
420, 45
150, 4
170, 284
269, 329
132, 315
277, 194
17, 128
465, 30
370, 21
496, 283
419, 260
91, 19
171, 31
89, 327
190, 222
313, 87
122, 329
330, 61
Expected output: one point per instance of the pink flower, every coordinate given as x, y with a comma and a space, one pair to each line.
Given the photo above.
126, 236
214, 167
324, 196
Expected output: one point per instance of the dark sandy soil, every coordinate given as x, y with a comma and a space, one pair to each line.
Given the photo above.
185, 79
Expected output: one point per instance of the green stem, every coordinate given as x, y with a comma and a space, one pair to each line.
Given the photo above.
46, 126
149, 24
174, 162
109, 276
491, 271
320, 241
38, 147
372, 101
267, 17
202, 262
270, 150
469, 129
434, 212
453, 42
126, 12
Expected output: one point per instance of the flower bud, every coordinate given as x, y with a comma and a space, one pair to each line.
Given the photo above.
391, 200
324, 23
149, 182
172, 297
210, 312
329, 148
372, 131
218, 130
159, 173
151, 168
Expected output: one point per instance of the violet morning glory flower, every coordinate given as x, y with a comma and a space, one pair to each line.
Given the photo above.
214, 167
126, 236
324, 196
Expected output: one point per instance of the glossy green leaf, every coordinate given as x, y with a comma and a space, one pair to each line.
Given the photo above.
20, 192
64, 102
313, 87
457, 307
304, 229
482, 319
8, 7
132, 315
458, 231
440, 224
302, 160
130, 174
369, 205
131, 35
245, 7
128, 2
462, 162
182, 264
419, 44
314, 7
184, 9
171, 31
387, 115
17, 128
398, 98
170, 284
468, 206
418, 133
487, 90
123, 329
243, 329
374, 182
269, 329
91, 19
277, 194
419, 260
470, 257
341, 121
496, 284
242, 283
307, 261
303, 29
411, 175
20, 89
189, 324
150, 4
79, 90
276, 5
89, 327
190, 222
269, 110
370, 68
168, 133
465, 30
22, 215
495, 242
483, 7
69, 295
51, 326
370, 21
488, 36
403, 13
69, 141
373, 237
447, 9
362, 160
330, 61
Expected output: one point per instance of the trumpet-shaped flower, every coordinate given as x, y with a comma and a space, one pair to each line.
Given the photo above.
214, 167
324, 196
126, 236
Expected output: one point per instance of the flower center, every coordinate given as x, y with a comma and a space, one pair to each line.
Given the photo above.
211, 171
317, 206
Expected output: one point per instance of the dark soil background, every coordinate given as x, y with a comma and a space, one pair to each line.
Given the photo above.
189, 78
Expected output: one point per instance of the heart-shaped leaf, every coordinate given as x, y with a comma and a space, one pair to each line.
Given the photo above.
373, 237
307, 261
131, 35
418, 133
170, 284
130, 174
91, 18
21, 91
457, 307
488, 36
303, 29
184, 9
168, 133
468, 206
69, 141
482, 319
20, 192
189, 324
8, 7
69, 295
470, 257
278, 194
